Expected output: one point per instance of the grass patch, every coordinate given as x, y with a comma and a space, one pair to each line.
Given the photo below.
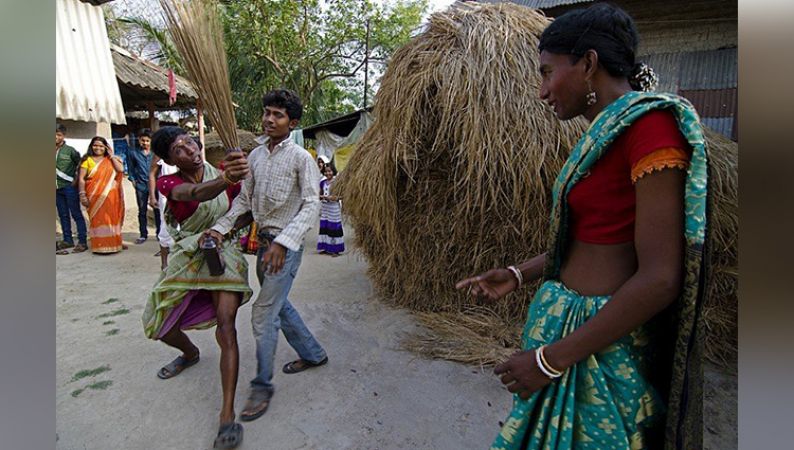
117, 312
109, 301
100, 385
112, 332
108, 322
90, 372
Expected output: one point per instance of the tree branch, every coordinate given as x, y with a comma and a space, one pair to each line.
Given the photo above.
341, 75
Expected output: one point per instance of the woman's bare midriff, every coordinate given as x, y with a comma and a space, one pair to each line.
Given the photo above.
597, 269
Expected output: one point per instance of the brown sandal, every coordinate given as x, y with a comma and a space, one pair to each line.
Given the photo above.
79, 248
299, 365
256, 406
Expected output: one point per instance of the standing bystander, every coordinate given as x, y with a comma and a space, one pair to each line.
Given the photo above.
138, 162
67, 160
159, 168
331, 238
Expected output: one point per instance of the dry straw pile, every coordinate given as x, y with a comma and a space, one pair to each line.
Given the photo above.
454, 177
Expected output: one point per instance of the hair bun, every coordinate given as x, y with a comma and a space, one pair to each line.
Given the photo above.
643, 78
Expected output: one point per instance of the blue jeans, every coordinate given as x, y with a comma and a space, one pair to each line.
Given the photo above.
67, 202
142, 197
272, 311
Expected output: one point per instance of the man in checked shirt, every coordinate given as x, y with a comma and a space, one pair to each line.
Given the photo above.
282, 193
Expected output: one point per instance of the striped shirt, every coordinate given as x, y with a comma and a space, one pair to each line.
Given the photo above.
281, 191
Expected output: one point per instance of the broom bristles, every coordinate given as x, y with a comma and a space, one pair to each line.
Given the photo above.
197, 33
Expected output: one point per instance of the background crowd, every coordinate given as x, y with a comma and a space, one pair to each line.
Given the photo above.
94, 181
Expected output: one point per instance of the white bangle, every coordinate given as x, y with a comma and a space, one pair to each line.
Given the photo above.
517, 274
542, 367
554, 372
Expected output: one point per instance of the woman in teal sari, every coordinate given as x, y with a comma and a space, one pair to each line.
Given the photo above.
611, 342
186, 296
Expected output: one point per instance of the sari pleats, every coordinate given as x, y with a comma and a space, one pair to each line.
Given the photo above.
607, 400
106, 207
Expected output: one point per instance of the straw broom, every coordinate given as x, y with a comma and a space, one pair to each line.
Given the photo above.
197, 33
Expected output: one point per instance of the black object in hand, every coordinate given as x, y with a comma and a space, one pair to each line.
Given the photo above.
212, 254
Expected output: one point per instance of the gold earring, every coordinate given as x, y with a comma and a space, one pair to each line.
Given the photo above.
591, 96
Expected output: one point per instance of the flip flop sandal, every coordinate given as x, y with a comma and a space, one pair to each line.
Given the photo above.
79, 248
176, 367
62, 252
292, 367
255, 401
230, 435
61, 245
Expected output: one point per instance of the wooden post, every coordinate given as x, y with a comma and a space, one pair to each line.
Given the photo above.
150, 105
200, 118
366, 65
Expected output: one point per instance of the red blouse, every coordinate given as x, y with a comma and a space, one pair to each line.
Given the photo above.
602, 204
181, 209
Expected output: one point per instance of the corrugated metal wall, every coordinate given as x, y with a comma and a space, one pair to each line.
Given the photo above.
715, 69
709, 79
692, 46
85, 81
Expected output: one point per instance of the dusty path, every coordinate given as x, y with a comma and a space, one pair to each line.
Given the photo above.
371, 395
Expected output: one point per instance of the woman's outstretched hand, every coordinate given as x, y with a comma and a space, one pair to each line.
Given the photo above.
491, 285
521, 374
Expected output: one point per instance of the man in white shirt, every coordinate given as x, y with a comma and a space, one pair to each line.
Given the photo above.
157, 201
283, 194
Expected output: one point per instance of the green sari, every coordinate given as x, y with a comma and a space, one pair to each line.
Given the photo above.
607, 399
187, 276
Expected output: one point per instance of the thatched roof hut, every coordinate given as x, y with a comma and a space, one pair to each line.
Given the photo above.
215, 150
454, 176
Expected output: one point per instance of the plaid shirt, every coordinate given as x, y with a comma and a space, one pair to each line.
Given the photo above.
281, 191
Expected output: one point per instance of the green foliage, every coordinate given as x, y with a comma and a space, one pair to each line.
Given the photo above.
90, 372
117, 312
100, 385
316, 48
167, 56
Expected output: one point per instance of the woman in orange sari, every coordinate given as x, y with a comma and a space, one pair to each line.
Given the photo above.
99, 182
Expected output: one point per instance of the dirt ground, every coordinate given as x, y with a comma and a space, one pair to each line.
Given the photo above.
371, 394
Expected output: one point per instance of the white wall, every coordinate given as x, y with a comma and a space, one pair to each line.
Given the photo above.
79, 134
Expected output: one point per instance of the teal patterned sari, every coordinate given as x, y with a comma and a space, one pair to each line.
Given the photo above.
606, 401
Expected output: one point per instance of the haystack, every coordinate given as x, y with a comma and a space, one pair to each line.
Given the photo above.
454, 176
215, 150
